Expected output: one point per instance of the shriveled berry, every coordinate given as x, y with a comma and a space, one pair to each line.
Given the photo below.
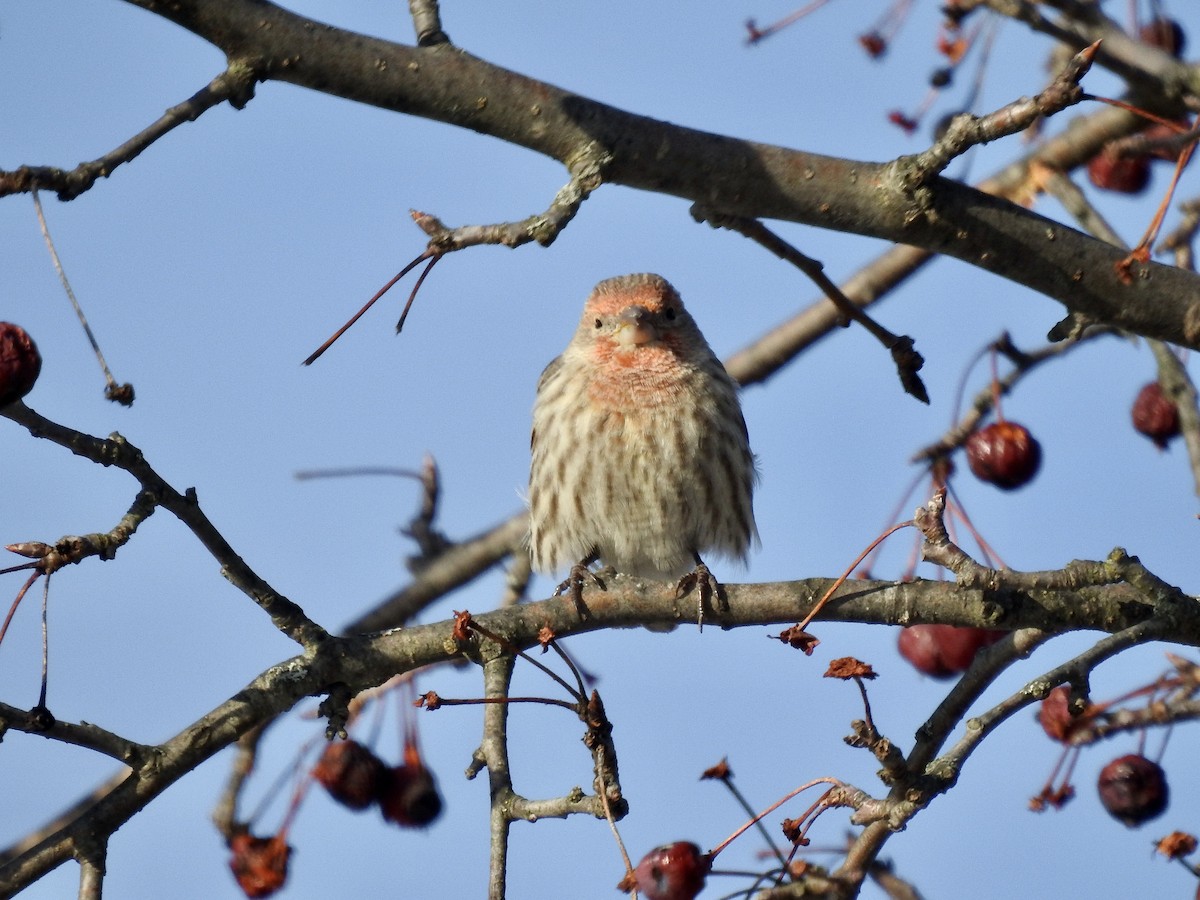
1155, 416
1123, 174
1055, 717
874, 43
20, 363
671, 872
1004, 454
259, 864
941, 77
1165, 34
351, 773
408, 796
943, 651
1133, 789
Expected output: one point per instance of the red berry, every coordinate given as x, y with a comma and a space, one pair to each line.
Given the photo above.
259, 864
408, 796
1165, 34
942, 651
1155, 416
1055, 717
671, 872
1004, 454
20, 363
874, 43
351, 773
1168, 150
1133, 789
1123, 174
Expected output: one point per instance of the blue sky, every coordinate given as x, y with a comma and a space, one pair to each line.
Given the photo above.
212, 265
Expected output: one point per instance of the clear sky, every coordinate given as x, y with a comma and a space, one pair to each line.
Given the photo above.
216, 262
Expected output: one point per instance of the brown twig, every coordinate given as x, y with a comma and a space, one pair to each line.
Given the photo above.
1024, 362
427, 22
908, 360
235, 85
967, 131
116, 451
120, 393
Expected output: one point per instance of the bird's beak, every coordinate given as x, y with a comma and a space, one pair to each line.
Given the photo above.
636, 327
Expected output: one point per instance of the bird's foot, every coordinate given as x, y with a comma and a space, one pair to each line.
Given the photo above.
706, 586
579, 575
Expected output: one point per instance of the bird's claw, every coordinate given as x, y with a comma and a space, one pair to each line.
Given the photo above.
573, 584
705, 584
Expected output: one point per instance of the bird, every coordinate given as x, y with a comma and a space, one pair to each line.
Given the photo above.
640, 456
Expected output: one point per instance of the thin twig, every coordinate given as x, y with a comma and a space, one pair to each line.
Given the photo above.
908, 360
316, 354
287, 616
967, 130
235, 85
122, 394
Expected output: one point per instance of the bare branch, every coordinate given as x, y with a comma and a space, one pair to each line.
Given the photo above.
908, 361
1157, 73
116, 451
427, 22
454, 567
225, 813
235, 84
967, 131
1179, 388
1137, 603
91, 871
758, 180
587, 174
493, 752
85, 734
123, 393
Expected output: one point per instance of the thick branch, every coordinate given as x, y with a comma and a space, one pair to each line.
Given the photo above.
354, 664
451, 569
757, 180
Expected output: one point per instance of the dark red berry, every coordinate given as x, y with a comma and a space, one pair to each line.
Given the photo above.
671, 872
20, 363
351, 773
408, 796
1165, 34
874, 43
1155, 416
1004, 454
1123, 174
259, 864
942, 651
1163, 141
899, 119
1055, 717
1133, 789
941, 77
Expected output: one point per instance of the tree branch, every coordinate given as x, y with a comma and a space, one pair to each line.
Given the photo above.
85, 734
757, 180
235, 84
116, 451
356, 663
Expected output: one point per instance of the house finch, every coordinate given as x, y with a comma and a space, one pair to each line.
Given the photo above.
640, 454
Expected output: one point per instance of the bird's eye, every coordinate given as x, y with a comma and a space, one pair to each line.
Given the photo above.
670, 313
599, 323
